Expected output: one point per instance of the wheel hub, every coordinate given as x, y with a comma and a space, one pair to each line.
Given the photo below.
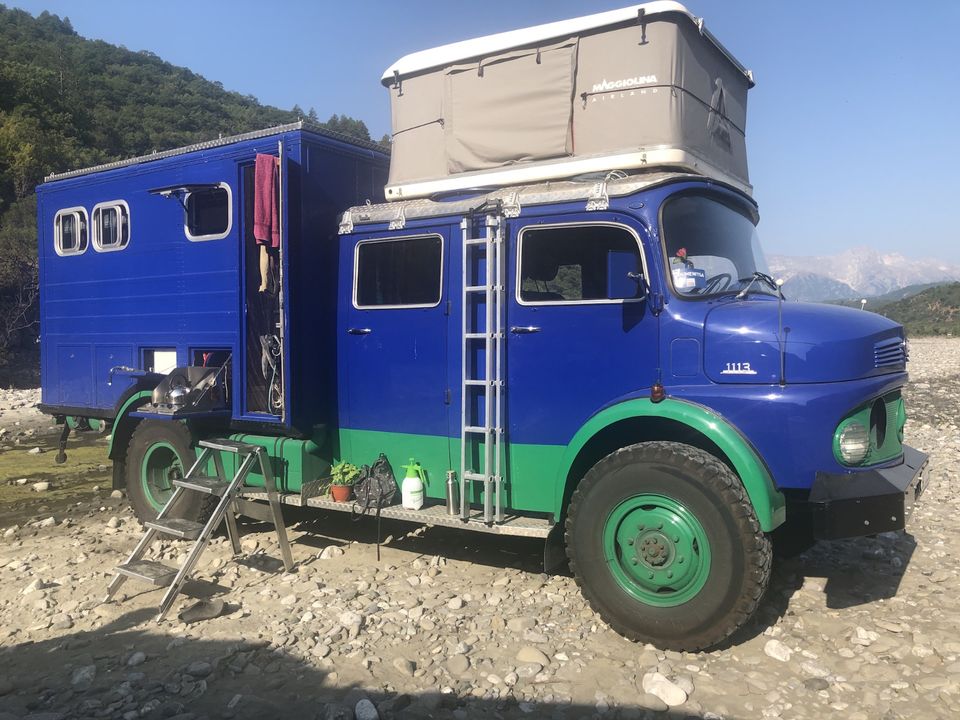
657, 550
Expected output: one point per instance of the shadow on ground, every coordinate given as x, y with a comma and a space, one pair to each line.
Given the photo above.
199, 678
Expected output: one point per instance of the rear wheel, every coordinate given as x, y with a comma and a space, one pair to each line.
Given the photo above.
159, 453
666, 547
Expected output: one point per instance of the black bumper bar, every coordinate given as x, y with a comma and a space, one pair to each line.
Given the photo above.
868, 501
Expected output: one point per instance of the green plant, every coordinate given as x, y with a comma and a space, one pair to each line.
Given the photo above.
343, 473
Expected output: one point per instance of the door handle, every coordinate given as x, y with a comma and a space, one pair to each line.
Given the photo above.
524, 330
359, 331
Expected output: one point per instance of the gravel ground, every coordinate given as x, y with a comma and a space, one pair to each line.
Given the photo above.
464, 626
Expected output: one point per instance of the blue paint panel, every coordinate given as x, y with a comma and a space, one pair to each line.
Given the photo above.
110, 356
74, 365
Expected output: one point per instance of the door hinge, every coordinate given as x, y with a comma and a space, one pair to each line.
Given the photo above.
446, 396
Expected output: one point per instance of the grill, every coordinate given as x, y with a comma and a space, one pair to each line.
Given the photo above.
890, 353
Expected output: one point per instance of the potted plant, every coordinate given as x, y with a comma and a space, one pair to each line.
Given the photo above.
342, 475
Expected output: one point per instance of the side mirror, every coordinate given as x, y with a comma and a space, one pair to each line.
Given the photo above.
624, 282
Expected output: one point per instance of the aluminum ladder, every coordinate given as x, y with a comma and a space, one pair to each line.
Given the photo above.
482, 382
230, 505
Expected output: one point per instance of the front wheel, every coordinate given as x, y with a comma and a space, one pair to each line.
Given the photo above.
159, 453
666, 547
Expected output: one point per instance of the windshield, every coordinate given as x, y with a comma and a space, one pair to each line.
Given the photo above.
712, 248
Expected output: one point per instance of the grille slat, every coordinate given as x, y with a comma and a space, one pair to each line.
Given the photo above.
889, 353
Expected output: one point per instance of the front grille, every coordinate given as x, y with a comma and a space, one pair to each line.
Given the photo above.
889, 353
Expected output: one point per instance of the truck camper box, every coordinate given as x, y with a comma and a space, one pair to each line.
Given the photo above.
643, 86
179, 285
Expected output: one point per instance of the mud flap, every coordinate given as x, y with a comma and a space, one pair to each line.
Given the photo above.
554, 552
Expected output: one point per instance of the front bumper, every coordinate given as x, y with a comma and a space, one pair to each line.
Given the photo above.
869, 501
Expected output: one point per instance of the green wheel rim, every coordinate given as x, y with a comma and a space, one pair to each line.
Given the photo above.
160, 467
657, 550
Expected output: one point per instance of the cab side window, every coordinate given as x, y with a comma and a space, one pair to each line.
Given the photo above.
575, 263
401, 272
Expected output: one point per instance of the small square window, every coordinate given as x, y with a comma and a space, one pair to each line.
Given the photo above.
405, 272
209, 213
70, 231
111, 226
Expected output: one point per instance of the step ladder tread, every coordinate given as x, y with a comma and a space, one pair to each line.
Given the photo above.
150, 571
209, 485
227, 445
177, 527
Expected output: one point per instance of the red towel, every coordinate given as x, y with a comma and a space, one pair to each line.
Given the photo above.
266, 213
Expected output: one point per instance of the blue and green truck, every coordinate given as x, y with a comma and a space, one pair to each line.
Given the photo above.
569, 327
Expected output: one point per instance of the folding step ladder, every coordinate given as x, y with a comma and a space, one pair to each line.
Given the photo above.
480, 440
230, 505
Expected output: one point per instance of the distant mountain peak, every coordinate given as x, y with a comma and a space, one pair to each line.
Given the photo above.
857, 272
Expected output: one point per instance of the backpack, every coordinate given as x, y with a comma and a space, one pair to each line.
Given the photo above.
376, 488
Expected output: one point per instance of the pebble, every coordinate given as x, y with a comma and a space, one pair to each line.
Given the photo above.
137, 658
659, 686
458, 664
777, 650
530, 654
40, 487
330, 552
366, 710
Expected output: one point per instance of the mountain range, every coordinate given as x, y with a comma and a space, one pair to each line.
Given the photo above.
857, 273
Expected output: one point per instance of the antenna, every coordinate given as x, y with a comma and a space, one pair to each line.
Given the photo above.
863, 303
780, 339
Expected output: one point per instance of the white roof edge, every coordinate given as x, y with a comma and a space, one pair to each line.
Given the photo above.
489, 44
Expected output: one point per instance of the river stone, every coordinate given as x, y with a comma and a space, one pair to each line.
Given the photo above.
458, 664
366, 710
530, 654
777, 650
658, 685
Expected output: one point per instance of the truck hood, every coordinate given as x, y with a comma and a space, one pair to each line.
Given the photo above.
822, 343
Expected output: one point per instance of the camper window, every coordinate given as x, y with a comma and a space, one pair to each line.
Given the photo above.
401, 272
70, 231
570, 263
208, 212
111, 226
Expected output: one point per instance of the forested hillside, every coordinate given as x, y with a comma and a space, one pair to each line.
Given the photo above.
935, 311
67, 102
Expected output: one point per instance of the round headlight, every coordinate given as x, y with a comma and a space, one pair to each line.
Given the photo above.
853, 443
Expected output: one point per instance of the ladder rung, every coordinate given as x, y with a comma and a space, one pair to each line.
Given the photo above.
232, 446
475, 241
476, 383
208, 485
469, 475
148, 571
475, 429
476, 288
478, 336
177, 527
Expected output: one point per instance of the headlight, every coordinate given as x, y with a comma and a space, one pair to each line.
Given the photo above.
853, 442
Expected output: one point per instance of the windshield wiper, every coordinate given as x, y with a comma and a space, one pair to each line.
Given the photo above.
762, 277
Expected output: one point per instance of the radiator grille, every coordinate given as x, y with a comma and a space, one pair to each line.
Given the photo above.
889, 353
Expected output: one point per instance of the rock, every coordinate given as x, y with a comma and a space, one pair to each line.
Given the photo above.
814, 669
777, 650
202, 610
329, 552
659, 686
34, 451
407, 667
455, 603
113, 523
199, 669
652, 702
288, 600
457, 665
117, 495
349, 619
529, 670
49, 522
520, 624
22, 481
138, 658
34, 586
530, 654
366, 710
84, 676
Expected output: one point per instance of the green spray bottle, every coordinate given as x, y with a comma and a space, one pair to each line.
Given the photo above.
411, 489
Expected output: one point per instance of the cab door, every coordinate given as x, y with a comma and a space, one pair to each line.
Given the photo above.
580, 336
394, 339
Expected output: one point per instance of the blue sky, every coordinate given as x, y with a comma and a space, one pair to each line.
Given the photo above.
852, 128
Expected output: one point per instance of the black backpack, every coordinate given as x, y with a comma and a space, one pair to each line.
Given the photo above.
376, 488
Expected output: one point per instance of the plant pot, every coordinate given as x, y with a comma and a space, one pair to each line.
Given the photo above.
341, 493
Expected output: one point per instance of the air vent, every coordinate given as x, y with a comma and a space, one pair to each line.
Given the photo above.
889, 353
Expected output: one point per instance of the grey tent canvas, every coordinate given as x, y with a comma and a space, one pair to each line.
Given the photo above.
642, 87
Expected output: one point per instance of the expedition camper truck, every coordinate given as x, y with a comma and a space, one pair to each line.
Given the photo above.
572, 332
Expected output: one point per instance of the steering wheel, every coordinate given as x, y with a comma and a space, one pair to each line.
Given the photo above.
713, 284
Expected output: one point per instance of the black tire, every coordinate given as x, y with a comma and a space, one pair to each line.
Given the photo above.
154, 443
730, 579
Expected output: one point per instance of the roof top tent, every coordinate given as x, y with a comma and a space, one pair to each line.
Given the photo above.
644, 86
151, 264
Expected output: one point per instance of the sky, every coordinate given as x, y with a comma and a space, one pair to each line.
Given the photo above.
852, 129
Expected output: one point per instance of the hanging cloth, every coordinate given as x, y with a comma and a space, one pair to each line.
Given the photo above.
266, 211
